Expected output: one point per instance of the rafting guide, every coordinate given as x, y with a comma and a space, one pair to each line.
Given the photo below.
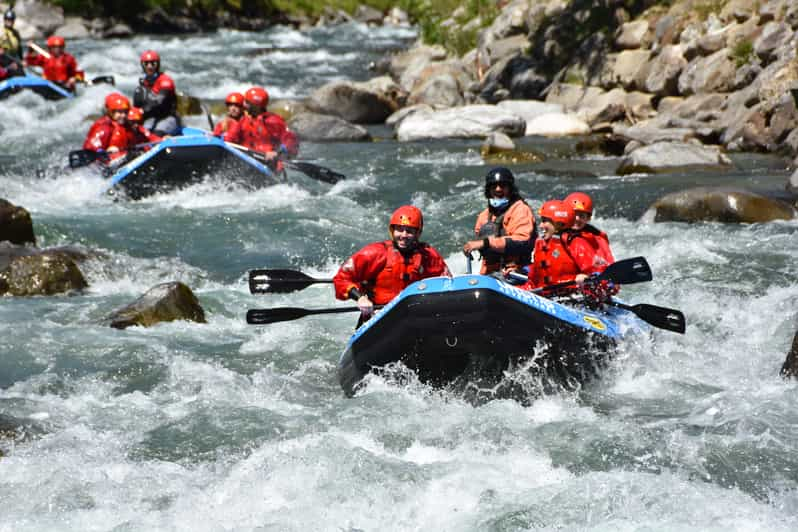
505, 230
378, 272
10, 40
157, 97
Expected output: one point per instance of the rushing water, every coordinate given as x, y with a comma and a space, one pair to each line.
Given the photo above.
226, 426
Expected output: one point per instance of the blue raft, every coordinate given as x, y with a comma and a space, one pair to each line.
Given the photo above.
39, 85
180, 161
476, 327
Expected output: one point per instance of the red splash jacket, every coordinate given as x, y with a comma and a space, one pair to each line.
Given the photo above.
381, 271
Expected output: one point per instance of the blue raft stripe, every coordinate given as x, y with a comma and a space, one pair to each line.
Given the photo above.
613, 323
190, 137
30, 82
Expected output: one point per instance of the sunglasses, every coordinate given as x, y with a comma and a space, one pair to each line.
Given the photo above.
149, 62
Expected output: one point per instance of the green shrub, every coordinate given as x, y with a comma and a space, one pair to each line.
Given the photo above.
742, 52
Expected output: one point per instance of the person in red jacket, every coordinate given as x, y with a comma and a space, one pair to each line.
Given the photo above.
59, 66
139, 135
378, 272
229, 126
583, 211
263, 131
157, 97
108, 135
555, 259
505, 230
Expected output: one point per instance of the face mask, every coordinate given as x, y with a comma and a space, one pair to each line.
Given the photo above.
498, 203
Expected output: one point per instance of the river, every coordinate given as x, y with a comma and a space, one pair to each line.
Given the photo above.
226, 426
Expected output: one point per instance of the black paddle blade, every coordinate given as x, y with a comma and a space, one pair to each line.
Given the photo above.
264, 316
280, 281
80, 158
628, 271
661, 317
314, 171
103, 79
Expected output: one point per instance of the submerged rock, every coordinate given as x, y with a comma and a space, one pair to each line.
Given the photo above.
163, 302
41, 274
790, 367
722, 204
665, 156
15, 224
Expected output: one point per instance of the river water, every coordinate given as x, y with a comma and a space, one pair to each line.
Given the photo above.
226, 426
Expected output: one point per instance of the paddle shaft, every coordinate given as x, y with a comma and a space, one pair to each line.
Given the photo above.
39, 50
264, 316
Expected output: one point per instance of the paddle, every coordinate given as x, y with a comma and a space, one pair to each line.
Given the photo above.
280, 281
314, 171
263, 316
661, 317
80, 158
626, 271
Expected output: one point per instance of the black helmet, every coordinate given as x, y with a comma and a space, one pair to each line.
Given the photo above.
499, 174
9, 14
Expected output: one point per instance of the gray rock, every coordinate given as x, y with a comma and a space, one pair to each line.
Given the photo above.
627, 67
75, 28
792, 184
354, 102
46, 17
496, 143
404, 112
737, 10
368, 15
470, 121
406, 66
721, 204
529, 109
715, 73
632, 35
163, 302
120, 30
665, 156
15, 224
664, 71
327, 128
650, 132
396, 17
774, 38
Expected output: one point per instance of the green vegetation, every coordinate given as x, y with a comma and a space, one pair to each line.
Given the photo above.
459, 37
742, 52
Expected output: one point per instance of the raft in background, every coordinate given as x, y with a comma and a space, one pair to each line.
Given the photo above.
46, 89
184, 160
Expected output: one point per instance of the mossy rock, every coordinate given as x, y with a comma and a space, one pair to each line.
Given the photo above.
189, 105
721, 204
41, 275
164, 302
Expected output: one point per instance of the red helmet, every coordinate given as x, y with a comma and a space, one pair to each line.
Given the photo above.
559, 212
580, 202
136, 114
117, 102
150, 55
235, 98
257, 96
54, 41
407, 215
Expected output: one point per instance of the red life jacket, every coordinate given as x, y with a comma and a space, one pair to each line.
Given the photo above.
138, 134
228, 127
599, 243
105, 133
263, 133
58, 69
557, 261
382, 271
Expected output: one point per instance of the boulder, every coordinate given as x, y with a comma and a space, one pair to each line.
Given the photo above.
665, 156
653, 131
441, 84
163, 302
327, 128
359, 103
721, 204
15, 224
790, 367
792, 184
368, 15
403, 113
627, 67
529, 109
714, 73
497, 143
41, 274
663, 71
632, 35
469, 121
27, 31
515, 76
75, 28
406, 66
557, 125
44, 16
772, 42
